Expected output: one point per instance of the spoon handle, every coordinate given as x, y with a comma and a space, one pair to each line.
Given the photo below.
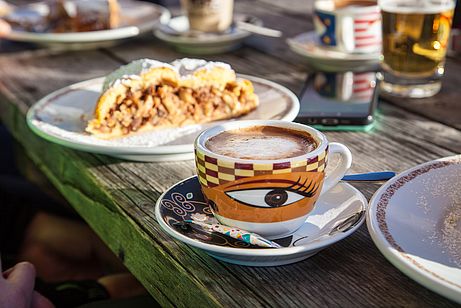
258, 29
370, 176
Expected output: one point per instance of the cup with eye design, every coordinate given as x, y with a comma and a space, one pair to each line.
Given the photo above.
265, 176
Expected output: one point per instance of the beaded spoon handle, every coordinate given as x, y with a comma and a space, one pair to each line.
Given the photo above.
242, 235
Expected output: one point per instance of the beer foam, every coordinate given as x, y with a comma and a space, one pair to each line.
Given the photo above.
417, 7
262, 143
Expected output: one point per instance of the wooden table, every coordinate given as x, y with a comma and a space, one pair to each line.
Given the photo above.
117, 198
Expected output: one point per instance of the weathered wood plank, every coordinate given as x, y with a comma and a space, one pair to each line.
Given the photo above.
445, 107
100, 187
70, 172
121, 187
117, 197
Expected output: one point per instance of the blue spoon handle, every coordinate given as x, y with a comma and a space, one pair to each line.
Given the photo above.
370, 176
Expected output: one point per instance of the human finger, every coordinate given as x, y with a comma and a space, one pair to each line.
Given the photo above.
40, 301
7, 272
4, 28
23, 276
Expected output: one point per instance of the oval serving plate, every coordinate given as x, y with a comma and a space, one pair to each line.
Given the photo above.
61, 117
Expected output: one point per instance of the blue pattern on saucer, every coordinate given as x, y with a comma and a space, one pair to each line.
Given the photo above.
186, 202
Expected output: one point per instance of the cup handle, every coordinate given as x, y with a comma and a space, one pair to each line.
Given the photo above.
332, 178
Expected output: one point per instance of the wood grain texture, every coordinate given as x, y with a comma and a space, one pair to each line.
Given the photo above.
99, 208
117, 197
445, 106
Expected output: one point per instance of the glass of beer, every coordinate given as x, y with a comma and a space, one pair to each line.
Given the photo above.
415, 37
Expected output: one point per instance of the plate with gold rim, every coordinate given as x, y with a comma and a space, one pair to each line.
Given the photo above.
61, 117
415, 221
337, 214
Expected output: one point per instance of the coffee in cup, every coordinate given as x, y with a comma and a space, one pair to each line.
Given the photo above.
265, 176
352, 26
261, 142
208, 15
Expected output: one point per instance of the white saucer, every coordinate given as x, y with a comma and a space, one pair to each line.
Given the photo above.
61, 117
176, 33
336, 215
415, 220
137, 17
307, 46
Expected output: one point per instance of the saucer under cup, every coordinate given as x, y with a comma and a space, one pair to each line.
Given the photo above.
338, 214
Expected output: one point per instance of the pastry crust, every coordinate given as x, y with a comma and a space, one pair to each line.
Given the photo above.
147, 95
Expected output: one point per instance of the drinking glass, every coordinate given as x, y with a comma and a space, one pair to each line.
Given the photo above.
209, 15
415, 37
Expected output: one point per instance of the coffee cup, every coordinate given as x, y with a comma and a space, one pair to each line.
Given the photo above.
265, 176
352, 26
208, 15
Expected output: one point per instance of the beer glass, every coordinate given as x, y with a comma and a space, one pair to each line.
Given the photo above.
415, 37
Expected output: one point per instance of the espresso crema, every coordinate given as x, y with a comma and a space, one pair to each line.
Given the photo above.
262, 143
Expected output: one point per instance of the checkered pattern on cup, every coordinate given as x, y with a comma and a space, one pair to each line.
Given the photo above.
269, 197
213, 172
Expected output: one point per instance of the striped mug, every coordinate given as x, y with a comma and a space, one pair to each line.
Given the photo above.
271, 197
352, 26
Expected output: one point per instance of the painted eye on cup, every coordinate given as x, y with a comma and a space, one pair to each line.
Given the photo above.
269, 198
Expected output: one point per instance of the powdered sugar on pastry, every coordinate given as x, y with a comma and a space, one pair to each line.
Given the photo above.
185, 67
188, 66
194, 73
132, 71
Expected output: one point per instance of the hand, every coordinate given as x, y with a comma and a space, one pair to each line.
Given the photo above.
4, 28
17, 288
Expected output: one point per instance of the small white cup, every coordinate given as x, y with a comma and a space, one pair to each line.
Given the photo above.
209, 16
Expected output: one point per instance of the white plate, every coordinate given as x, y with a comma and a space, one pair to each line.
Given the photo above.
336, 215
307, 46
176, 33
415, 220
61, 117
137, 17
